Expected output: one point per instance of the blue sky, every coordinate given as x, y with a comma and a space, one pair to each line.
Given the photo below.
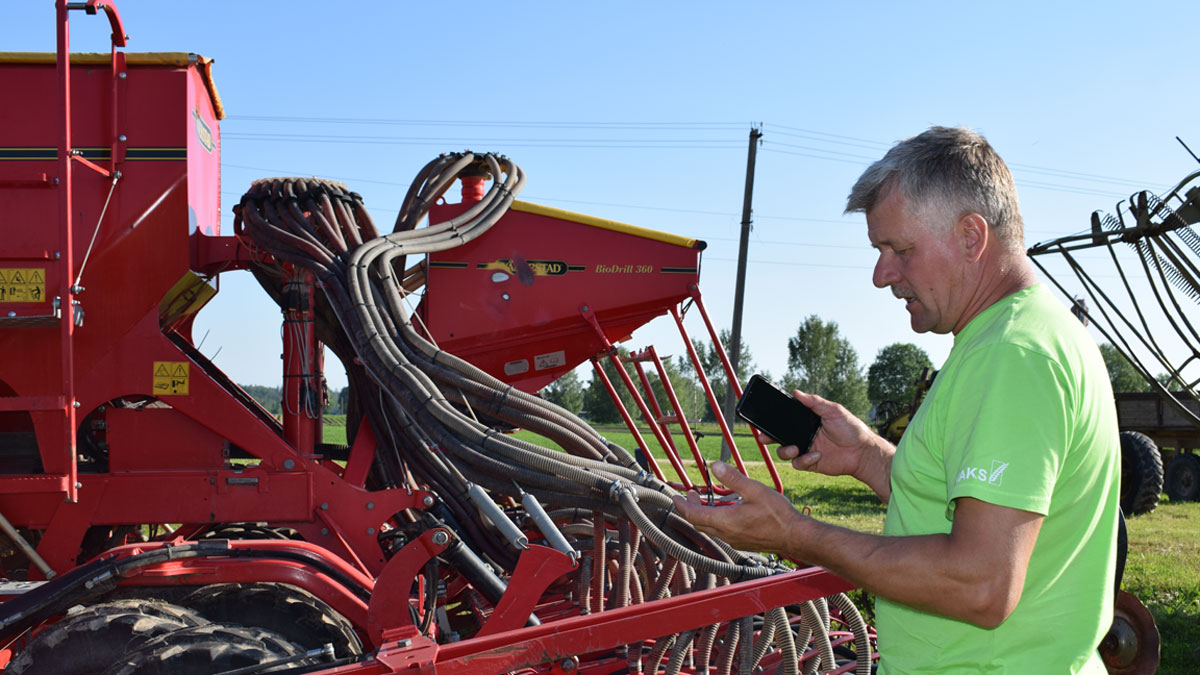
639, 112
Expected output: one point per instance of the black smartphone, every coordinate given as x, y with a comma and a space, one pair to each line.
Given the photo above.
778, 415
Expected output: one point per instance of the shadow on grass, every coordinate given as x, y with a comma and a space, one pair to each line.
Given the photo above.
827, 502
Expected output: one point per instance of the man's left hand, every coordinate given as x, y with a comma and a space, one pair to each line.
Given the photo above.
761, 522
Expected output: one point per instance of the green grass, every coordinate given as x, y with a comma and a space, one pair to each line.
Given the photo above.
1163, 567
1163, 570
333, 429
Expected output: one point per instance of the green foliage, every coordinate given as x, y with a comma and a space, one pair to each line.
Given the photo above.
688, 392
893, 375
714, 370
270, 398
1121, 372
565, 392
338, 401
822, 362
597, 405
1164, 554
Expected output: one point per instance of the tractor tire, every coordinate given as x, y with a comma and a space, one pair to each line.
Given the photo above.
296, 614
207, 649
1183, 478
89, 640
1141, 473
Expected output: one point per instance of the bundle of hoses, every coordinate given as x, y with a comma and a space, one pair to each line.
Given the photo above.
425, 405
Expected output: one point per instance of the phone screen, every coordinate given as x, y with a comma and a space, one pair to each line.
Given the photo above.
777, 414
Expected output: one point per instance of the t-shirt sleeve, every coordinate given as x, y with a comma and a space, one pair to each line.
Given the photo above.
1007, 429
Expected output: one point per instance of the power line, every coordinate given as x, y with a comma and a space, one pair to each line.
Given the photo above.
492, 123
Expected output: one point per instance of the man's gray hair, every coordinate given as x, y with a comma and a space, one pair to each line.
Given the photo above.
943, 174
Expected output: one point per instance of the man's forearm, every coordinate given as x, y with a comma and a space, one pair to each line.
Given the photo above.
975, 573
919, 572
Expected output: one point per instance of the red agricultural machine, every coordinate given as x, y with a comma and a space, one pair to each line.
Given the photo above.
158, 520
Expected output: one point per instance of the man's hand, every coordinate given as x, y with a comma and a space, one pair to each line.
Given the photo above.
761, 522
844, 446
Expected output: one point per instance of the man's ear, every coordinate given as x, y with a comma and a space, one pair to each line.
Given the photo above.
973, 235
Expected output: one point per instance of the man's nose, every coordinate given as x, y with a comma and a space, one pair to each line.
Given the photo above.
885, 272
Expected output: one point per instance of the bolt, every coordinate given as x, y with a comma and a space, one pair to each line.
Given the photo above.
57, 255
121, 138
11, 314
123, 75
324, 506
370, 505
324, 531
567, 665
586, 308
75, 404
505, 296
441, 538
289, 464
78, 486
370, 530
427, 501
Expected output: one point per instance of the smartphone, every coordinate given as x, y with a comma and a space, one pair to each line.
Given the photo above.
778, 415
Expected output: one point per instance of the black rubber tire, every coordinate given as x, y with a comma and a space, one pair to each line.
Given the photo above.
90, 639
294, 613
1141, 473
1183, 478
207, 649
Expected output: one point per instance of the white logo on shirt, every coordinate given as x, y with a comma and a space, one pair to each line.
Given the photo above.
996, 477
993, 477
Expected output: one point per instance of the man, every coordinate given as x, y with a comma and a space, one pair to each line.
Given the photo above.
998, 550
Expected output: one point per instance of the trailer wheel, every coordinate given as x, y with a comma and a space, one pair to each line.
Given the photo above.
94, 637
207, 649
1183, 478
296, 614
1141, 473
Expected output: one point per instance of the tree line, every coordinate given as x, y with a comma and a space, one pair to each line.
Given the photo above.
820, 361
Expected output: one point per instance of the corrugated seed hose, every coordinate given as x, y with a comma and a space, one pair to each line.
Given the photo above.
412, 394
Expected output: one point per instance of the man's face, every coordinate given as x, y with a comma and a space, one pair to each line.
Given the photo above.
919, 261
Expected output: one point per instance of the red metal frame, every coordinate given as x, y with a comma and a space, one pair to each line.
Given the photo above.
145, 221
547, 646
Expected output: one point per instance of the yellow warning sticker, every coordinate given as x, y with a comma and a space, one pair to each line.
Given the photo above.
171, 378
22, 284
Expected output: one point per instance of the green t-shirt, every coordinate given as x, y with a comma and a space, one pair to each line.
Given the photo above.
1021, 415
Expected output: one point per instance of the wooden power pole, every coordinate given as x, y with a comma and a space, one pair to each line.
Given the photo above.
735, 336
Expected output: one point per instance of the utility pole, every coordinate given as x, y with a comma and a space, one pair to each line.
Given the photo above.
735, 337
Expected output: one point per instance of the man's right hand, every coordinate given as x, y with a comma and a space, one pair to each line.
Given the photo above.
844, 446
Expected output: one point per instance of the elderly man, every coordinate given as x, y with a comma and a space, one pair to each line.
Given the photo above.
998, 550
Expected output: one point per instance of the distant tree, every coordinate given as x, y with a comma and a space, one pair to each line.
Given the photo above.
822, 362
1170, 382
893, 375
566, 392
338, 399
1121, 373
714, 369
597, 405
685, 385
270, 398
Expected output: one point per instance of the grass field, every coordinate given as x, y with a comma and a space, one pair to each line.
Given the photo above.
1163, 567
